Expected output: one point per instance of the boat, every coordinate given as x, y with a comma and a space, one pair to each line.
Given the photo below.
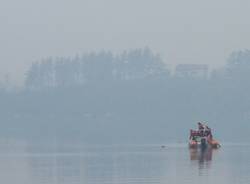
202, 138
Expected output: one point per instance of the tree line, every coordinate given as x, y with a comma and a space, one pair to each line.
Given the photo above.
129, 97
102, 67
95, 67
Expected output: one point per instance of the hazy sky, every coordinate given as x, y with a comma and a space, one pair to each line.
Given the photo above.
182, 31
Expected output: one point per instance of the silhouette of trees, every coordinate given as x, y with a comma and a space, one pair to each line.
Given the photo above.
238, 65
95, 67
140, 63
100, 93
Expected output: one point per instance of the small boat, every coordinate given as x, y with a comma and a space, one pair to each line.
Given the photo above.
202, 138
204, 143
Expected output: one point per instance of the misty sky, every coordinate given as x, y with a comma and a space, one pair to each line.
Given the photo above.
193, 31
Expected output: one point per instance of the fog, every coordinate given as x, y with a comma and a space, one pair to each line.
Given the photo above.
181, 31
111, 91
127, 98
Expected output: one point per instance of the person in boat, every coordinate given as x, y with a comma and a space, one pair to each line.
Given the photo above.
200, 126
201, 129
194, 138
208, 132
203, 133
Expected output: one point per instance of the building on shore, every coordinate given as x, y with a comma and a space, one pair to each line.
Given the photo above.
196, 71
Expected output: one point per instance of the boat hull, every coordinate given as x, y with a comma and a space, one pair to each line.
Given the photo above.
214, 143
204, 144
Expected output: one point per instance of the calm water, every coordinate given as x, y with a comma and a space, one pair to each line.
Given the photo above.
172, 164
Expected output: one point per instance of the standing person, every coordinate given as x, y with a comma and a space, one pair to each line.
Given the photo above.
208, 132
201, 128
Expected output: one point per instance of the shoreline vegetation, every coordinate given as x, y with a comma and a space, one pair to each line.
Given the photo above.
132, 97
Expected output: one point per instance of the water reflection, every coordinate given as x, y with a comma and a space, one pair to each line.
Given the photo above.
203, 158
202, 155
114, 165
57, 169
96, 168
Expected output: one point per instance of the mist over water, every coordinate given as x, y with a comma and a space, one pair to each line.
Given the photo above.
106, 118
76, 107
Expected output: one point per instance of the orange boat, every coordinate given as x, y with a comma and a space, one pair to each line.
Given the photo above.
202, 138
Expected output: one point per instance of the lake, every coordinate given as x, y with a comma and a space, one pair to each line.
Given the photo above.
74, 164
